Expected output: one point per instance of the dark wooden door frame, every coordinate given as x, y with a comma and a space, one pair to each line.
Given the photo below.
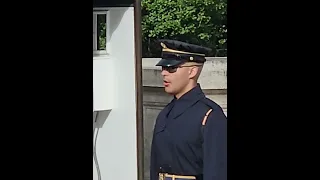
139, 89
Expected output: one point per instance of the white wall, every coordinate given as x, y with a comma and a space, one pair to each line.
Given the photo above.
116, 143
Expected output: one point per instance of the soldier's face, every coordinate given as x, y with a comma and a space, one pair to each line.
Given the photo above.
175, 79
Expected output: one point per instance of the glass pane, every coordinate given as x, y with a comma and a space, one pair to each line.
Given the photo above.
101, 31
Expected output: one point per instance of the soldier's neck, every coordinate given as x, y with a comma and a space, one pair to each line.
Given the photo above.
188, 88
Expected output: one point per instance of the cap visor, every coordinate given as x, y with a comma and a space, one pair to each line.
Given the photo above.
168, 62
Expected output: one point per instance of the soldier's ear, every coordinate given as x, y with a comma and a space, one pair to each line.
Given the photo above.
193, 71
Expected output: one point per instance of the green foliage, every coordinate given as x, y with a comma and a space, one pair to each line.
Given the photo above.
101, 32
202, 22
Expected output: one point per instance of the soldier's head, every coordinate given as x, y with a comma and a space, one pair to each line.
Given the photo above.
181, 65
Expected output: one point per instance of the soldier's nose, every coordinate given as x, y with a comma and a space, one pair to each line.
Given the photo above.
164, 72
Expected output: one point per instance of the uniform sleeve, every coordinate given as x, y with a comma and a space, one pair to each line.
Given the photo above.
215, 147
153, 166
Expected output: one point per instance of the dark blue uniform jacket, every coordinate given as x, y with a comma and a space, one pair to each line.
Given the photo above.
181, 145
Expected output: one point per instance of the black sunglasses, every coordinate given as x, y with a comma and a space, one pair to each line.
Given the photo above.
173, 69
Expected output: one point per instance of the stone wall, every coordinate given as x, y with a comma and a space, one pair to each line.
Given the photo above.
213, 81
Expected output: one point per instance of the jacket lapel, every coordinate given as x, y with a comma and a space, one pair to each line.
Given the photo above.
163, 117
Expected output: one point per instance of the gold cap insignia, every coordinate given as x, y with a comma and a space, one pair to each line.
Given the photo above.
163, 45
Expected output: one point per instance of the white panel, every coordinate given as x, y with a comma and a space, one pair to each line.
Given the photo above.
116, 143
103, 83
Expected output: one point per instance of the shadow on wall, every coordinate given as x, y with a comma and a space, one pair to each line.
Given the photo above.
116, 16
99, 118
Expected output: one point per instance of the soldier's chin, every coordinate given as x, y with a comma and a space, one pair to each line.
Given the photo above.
169, 90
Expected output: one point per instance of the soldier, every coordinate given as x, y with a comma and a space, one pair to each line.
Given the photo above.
190, 133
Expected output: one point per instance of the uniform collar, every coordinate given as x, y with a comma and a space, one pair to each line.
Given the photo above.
191, 94
187, 100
